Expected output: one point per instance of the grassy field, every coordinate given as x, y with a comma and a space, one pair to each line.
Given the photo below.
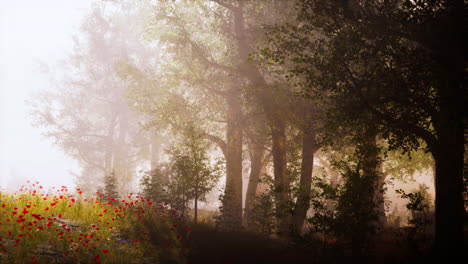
63, 226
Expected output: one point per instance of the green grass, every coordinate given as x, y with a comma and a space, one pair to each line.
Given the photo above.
58, 227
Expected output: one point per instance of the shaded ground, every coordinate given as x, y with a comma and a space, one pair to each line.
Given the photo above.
229, 247
245, 247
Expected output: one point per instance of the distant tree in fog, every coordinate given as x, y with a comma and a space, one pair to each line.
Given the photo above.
87, 114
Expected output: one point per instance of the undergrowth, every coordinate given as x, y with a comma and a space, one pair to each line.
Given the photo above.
60, 227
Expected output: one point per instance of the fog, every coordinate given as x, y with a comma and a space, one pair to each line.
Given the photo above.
43, 46
318, 127
32, 33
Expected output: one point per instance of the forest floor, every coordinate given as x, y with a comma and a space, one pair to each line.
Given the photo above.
242, 247
220, 247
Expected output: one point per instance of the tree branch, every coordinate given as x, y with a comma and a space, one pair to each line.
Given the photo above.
198, 51
426, 135
213, 90
221, 143
226, 5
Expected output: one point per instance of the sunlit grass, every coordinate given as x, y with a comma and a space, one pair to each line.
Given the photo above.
59, 227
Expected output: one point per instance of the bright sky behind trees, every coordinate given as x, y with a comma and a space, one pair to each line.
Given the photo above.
32, 32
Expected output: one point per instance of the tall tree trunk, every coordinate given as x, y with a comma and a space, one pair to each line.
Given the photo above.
449, 201
276, 121
281, 180
448, 156
379, 197
450, 46
232, 204
195, 208
256, 165
303, 200
370, 165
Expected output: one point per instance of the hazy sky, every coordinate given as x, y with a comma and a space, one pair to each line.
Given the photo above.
32, 31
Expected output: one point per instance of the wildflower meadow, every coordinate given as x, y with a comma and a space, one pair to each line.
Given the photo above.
63, 226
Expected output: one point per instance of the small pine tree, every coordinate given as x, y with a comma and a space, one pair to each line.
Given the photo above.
154, 184
110, 187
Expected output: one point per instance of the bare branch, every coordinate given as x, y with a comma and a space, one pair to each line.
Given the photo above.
226, 5
221, 143
215, 91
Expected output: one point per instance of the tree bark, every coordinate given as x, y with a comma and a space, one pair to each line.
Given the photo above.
195, 208
303, 200
281, 181
232, 204
256, 164
380, 200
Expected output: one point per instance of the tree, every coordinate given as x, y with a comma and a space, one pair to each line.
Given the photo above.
398, 65
87, 115
356, 206
276, 99
198, 70
192, 174
110, 187
154, 183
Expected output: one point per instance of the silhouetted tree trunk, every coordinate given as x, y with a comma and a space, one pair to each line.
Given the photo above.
309, 147
195, 209
449, 204
380, 200
257, 153
281, 180
370, 165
